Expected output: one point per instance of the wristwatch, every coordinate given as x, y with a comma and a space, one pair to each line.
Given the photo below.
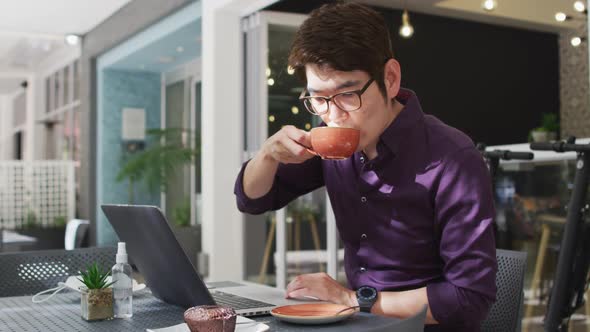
366, 296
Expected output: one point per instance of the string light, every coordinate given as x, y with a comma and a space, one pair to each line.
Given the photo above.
290, 70
560, 17
576, 41
406, 30
295, 110
579, 6
270, 81
489, 5
271, 118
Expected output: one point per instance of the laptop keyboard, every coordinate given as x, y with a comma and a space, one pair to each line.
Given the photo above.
237, 302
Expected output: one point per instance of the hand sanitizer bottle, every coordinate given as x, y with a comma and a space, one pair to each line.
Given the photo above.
123, 285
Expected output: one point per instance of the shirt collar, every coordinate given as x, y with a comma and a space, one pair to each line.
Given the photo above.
406, 119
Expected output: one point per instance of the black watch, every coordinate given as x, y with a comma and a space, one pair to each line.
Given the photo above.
366, 296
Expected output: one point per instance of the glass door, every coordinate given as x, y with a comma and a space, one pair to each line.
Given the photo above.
301, 238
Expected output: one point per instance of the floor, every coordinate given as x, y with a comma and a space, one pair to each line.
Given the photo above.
579, 322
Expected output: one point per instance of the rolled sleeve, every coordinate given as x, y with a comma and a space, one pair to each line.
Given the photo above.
247, 204
452, 305
290, 182
464, 215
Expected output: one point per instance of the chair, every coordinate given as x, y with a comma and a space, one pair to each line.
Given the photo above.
506, 313
27, 273
412, 324
76, 233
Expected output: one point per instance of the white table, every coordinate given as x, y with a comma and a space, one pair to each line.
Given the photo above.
13, 241
11, 237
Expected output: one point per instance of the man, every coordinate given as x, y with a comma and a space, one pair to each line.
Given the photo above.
413, 205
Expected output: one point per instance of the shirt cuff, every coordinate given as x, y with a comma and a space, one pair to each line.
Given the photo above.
247, 204
443, 301
454, 306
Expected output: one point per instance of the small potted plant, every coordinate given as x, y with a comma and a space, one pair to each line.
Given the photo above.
548, 129
97, 297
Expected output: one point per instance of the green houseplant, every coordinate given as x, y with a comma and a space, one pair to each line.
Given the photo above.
97, 298
548, 129
182, 214
165, 152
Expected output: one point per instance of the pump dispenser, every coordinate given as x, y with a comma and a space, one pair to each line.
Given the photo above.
123, 284
121, 253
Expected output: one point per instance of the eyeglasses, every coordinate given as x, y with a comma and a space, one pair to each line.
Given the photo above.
348, 101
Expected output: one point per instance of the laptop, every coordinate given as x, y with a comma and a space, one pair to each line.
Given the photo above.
169, 273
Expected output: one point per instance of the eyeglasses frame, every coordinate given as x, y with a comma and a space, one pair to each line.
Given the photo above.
359, 93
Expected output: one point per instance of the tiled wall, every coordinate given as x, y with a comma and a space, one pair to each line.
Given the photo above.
123, 89
574, 81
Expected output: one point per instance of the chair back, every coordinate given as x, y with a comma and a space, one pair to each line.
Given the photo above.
27, 273
76, 231
412, 324
506, 313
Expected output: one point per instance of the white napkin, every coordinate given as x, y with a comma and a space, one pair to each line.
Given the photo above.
245, 325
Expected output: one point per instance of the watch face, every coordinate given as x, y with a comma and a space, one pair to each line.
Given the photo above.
367, 292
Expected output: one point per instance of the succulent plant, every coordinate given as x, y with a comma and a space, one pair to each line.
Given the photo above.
94, 277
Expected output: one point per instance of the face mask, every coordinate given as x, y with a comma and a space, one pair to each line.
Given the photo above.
74, 284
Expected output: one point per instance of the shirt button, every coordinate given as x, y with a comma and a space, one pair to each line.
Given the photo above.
362, 269
363, 199
363, 236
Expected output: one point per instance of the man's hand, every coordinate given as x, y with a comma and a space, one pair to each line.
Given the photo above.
321, 286
288, 146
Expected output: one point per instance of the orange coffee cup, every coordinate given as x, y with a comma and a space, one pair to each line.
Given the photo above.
334, 142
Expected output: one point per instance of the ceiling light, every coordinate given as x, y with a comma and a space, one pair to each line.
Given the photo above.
180, 49
561, 17
576, 41
489, 5
579, 6
72, 39
270, 81
406, 30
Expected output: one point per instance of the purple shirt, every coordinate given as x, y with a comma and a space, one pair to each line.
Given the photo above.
419, 214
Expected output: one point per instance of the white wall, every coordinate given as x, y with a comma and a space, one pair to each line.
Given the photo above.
6, 102
7, 128
222, 140
5, 121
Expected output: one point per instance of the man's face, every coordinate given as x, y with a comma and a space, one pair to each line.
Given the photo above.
374, 113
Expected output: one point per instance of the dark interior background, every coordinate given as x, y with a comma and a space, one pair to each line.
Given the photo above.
492, 82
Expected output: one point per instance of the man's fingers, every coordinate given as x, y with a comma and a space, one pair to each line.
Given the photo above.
301, 137
300, 293
294, 148
294, 285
